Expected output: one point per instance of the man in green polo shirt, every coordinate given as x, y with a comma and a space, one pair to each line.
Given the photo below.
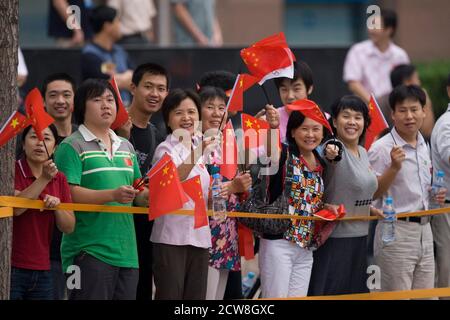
100, 168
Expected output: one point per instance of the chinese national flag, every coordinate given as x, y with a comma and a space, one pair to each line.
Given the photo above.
243, 82
269, 58
193, 188
229, 166
377, 124
122, 113
258, 134
246, 248
38, 117
165, 191
310, 110
12, 127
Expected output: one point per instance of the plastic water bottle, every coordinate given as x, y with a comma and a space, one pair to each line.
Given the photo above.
219, 204
247, 283
388, 234
438, 183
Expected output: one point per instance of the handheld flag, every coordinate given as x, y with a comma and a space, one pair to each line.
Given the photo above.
310, 110
193, 188
165, 191
378, 122
12, 127
269, 58
122, 113
255, 131
243, 83
38, 117
229, 166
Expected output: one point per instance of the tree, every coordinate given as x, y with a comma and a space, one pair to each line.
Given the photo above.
9, 18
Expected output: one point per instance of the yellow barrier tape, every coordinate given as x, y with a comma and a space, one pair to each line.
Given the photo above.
388, 295
6, 212
17, 202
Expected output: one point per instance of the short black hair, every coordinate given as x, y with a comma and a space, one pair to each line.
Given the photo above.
90, 88
301, 71
389, 18
207, 93
219, 78
174, 99
52, 128
296, 119
401, 73
150, 68
403, 92
448, 80
354, 103
55, 77
100, 15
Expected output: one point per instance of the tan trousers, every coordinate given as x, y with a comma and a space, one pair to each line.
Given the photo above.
408, 262
440, 224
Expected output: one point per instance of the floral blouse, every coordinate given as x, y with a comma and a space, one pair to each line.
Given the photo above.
305, 199
224, 253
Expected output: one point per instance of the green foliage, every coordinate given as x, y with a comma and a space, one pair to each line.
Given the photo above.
433, 76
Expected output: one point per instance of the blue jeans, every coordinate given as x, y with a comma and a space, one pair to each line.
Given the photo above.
31, 284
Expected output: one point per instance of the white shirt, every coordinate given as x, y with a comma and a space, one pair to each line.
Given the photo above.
179, 229
367, 64
409, 190
440, 147
21, 67
135, 15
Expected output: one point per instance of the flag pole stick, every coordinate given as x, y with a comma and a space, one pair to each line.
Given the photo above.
46, 150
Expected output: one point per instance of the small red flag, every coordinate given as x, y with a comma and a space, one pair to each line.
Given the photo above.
255, 131
243, 82
269, 58
12, 127
193, 188
229, 166
122, 113
38, 117
310, 110
378, 122
165, 191
246, 248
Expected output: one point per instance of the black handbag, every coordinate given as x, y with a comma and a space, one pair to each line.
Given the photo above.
258, 202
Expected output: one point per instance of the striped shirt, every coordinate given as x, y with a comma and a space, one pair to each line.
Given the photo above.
86, 162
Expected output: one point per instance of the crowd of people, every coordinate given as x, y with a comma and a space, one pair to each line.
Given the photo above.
120, 256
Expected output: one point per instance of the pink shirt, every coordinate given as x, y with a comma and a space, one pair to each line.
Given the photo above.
367, 64
284, 117
179, 229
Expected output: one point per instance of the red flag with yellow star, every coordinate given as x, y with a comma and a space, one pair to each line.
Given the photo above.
193, 188
165, 191
255, 131
39, 118
310, 110
269, 58
378, 122
229, 166
122, 113
243, 82
12, 127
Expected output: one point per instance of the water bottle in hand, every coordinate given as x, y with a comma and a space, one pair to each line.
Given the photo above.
219, 204
247, 283
438, 184
388, 231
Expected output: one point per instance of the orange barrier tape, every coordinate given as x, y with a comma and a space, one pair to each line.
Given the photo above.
6, 212
17, 202
388, 295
